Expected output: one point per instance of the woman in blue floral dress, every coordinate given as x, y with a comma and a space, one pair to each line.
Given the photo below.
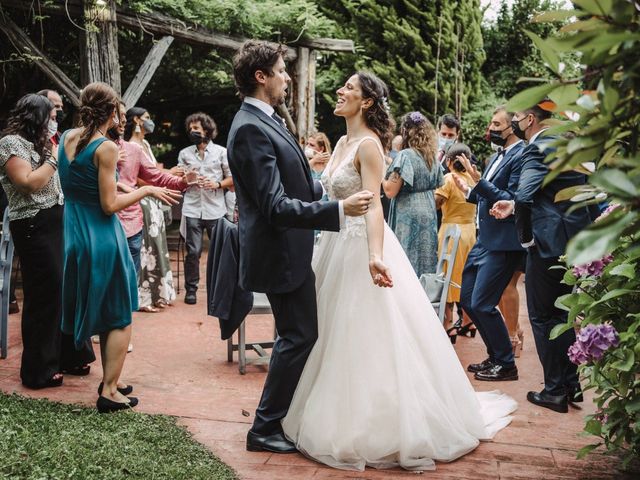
410, 182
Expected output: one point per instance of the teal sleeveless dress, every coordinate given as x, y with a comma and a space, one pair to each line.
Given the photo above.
99, 286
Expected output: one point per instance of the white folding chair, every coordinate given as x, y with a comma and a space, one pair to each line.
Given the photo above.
6, 259
444, 269
261, 306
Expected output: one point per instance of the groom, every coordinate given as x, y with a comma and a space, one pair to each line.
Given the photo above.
279, 208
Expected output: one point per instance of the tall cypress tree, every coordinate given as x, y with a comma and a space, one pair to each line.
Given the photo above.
399, 41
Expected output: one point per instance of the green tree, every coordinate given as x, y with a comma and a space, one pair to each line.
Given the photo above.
398, 40
510, 55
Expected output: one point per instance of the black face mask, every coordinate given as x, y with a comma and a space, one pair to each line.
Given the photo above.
196, 138
517, 131
495, 136
60, 116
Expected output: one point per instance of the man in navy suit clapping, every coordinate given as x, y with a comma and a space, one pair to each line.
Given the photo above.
497, 253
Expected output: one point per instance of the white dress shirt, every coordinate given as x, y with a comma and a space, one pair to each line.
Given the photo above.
199, 202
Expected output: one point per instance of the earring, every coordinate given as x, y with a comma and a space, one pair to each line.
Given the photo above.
137, 129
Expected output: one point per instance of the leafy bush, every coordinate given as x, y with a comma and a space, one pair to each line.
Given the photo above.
605, 34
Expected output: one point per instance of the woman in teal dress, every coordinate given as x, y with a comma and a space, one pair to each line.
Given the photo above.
99, 283
410, 182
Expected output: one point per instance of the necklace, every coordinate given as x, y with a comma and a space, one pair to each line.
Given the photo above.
101, 132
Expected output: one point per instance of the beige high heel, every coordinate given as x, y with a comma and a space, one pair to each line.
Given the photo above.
516, 344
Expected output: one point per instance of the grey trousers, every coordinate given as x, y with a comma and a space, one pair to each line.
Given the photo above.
193, 242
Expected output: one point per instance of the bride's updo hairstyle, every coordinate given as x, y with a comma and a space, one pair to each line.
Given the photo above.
418, 133
378, 116
97, 104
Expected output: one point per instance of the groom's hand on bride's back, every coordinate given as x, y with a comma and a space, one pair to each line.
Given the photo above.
357, 204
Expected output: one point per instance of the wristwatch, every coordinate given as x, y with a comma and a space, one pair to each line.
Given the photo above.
219, 185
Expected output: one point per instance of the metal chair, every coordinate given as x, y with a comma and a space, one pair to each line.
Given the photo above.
444, 269
6, 260
261, 306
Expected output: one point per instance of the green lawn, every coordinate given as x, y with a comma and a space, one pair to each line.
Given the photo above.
43, 440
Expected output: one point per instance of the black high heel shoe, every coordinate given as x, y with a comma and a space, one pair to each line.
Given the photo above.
453, 337
467, 331
104, 405
124, 391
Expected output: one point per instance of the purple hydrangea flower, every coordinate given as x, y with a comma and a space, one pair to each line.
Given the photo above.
577, 355
592, 341
594, 268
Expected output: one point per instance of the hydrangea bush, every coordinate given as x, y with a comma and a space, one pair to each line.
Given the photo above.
598, 123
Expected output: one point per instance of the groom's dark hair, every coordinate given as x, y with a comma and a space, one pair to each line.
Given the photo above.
250, 58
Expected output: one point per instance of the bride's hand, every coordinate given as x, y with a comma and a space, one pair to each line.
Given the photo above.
380, 273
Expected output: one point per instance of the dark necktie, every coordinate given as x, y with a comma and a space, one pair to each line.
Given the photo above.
279, 120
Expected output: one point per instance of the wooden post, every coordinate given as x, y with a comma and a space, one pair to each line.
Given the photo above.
99, 50
23, 44
146, 71
301, 97
311, 94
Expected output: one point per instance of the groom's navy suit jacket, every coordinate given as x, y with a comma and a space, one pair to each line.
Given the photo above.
274, 191
498, 235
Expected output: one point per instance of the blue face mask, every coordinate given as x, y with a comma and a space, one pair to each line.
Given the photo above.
444, 144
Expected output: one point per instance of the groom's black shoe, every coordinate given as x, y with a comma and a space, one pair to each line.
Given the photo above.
557, 403
276, 443
497, 373
479, 367
574, 395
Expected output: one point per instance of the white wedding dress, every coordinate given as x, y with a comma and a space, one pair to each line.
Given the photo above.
383, 387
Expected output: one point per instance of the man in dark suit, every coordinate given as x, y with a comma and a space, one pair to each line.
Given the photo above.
279, 208
497, 253
544, 227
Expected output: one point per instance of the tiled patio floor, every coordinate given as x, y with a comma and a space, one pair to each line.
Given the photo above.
179, 367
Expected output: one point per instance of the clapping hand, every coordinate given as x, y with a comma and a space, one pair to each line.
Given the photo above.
380, 273
320, 158
165, 195
469, 167
502, 209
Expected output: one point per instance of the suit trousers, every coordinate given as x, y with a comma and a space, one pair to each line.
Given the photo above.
296, 318
543, 287
39, 242
193, 242
485, 276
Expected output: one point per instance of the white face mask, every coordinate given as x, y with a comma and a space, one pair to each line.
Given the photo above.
445, 143
309, 153
52, 127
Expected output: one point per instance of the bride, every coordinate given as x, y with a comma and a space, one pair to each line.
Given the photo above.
383, 386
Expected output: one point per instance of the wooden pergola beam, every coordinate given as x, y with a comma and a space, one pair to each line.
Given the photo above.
159, 24
146, 71
24, 45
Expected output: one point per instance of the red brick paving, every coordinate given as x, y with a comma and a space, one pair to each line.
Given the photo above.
179, 367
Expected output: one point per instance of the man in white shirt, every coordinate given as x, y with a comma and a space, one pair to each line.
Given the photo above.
204, 200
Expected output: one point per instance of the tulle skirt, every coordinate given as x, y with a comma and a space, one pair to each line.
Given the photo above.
383, 386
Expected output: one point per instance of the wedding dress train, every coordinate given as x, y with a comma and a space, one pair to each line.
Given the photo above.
383, 386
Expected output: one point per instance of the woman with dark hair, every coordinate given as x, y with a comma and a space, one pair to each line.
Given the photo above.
410, 182
456, 211
100, 285
155, 278
383, 386
28, 175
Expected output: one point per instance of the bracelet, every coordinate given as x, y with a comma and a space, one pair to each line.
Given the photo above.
52, 162
219, 185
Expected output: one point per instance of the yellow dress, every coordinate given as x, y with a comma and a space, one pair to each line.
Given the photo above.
457, 211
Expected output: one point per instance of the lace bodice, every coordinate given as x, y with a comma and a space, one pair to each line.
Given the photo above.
341, 180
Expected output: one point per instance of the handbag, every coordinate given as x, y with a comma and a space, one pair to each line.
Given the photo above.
433, 284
